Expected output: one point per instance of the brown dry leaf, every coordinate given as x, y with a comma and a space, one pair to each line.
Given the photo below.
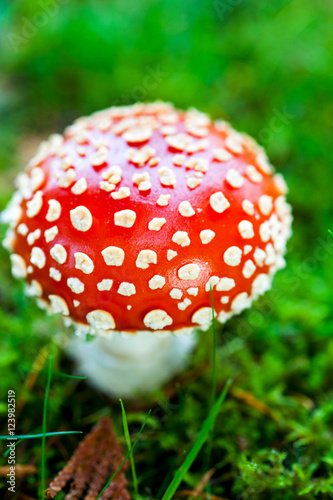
199, 490
96, 458
251, 400
203, 482
31, 379
20, 470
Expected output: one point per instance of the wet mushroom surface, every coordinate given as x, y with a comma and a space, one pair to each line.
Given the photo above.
127, 220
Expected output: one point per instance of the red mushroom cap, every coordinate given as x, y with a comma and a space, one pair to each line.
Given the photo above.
127, 220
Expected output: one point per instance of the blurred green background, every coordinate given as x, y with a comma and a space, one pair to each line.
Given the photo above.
266, 66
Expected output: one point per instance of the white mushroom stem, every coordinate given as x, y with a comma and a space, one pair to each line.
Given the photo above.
126, 366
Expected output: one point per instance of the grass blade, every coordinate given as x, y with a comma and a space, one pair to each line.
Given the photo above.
166, 480
30, 436
46, 397
128, 441
60, 374
214, 350
13, 446
128, 454
208, 423
213, 394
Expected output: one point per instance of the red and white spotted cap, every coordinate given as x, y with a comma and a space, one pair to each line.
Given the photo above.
126, 221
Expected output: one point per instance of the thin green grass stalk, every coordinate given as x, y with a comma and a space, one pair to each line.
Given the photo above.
30, 436
13, 446
60, 374
213, 394
180, 395
208, 491
128, 454
214, 350
47, 391
207, 425
128, 441
164, 484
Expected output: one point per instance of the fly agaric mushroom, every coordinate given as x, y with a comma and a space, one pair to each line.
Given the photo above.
125, 222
